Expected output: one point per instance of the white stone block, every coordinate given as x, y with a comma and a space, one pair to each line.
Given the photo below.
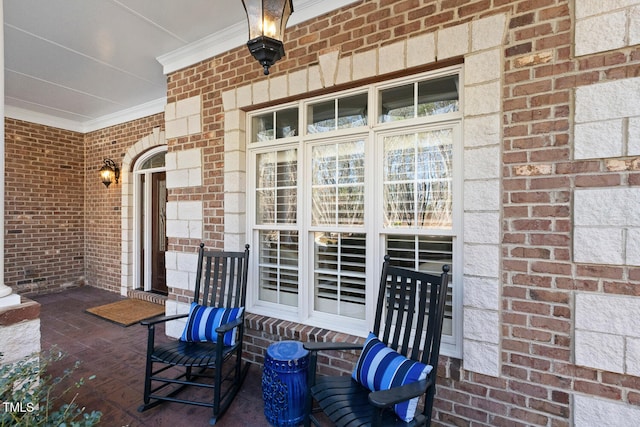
195, 177
315, 81
585, 8
392, 57
171, 260
483, 67
482, 227
170, 111
190, 210
453, 41
177, 178
598, 245
177, 228
605, 101
194, 124
590, 412
235, 181
482, 99
260, 91
632, 253
481, 325
176, 128
364, 64
172, 210
235, 202
174, 328
481, 293
598, 139
482, 195
170, 307
189, 107
607, 207
328, 64
482, 260
244, 96
229, 100
298, 82
235, 161
600, 351
187, 262
483, 358
189, 158
421, 50
607, 314
600, 33
343, 74
178, 279
196, 230
487, 33
235, 221
232, 120
171, 161
10, 300
633, 137
482, 163
632, 357
19, 340
278, 87
482, 130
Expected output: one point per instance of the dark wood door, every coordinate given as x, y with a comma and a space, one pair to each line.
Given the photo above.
159, 233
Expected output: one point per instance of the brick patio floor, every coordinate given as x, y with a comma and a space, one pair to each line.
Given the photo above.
116, 356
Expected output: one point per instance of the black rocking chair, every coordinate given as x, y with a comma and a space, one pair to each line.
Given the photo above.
195, 360
406, 299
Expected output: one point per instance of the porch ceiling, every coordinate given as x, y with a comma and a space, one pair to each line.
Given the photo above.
78, 63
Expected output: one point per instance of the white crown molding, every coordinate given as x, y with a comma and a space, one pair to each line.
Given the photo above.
137, 112
236, 35
23, 114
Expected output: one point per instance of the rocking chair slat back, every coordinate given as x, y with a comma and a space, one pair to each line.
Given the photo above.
221, 285
403, 312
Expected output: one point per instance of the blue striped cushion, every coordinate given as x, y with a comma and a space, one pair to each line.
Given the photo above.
380, 368
203, 321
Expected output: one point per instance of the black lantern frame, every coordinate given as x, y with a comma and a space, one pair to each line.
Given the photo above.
267, 21
109, 172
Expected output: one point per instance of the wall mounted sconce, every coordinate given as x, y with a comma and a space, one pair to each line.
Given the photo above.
109, 172
267, 22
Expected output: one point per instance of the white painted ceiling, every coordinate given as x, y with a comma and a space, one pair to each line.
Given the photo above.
87, 64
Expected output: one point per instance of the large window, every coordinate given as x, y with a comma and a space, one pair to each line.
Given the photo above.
337, 182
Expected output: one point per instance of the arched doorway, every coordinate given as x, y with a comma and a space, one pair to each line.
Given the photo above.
150, 237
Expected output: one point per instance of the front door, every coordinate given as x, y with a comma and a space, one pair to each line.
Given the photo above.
150, 245
158, 232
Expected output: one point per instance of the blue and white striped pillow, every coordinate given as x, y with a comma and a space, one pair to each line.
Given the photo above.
380, 368
203, 321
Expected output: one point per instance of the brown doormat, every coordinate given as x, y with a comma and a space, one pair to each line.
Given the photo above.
128, 311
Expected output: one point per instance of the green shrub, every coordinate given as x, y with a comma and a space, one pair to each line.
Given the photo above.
30, 397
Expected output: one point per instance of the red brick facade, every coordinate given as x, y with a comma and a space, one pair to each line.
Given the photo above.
539, 277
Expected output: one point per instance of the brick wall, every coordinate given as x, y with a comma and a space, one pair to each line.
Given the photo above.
103, 216
44, 207
538, 379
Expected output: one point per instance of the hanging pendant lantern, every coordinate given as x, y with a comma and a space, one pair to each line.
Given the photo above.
267, 22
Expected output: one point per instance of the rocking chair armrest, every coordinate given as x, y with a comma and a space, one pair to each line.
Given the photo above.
222, 329
323, 346
387, 398
162, 318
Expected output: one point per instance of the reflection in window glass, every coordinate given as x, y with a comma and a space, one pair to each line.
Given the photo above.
418, 179
337, 187
155, 161
340, 113
276, 191
426, 98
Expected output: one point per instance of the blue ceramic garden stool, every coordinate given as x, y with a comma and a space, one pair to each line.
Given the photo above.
284, 383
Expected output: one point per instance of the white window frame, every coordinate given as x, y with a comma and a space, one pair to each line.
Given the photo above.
373, 226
